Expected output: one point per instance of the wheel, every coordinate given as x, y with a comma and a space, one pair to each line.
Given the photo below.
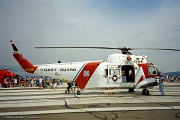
78, 92
66, 91
131, 90
145, 92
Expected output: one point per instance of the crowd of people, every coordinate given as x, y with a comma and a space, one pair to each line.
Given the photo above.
31, 82
55, 83
173, 78
39, 82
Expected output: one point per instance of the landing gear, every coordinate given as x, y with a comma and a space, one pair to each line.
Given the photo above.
66, 91
78, 92
145, 91
131, 90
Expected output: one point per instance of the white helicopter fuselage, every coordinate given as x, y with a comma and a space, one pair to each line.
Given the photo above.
116, 70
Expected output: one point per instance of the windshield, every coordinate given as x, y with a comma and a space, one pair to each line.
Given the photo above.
152, 70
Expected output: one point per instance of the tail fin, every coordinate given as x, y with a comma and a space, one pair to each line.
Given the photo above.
23, 62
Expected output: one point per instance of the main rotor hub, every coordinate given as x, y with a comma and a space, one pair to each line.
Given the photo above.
125, 50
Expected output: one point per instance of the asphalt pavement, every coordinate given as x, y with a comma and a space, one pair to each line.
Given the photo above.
93, 104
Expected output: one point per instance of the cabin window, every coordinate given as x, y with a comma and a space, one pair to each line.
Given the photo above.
114, 71
117, 71
111, 71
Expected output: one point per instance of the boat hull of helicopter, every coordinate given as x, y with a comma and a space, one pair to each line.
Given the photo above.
150, 82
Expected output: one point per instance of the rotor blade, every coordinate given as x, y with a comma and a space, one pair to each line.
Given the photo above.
81, 47
155, 49
114, 48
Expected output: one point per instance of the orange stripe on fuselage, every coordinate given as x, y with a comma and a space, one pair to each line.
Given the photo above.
145, 69
86, 73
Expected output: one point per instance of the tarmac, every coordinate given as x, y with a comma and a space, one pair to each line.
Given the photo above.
93, 104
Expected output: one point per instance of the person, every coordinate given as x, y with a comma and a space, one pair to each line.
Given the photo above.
18, 81
161, 84
5, 81
69, 86
34, 80
37, 82
15, 82
46, 83
61, 81
27, 81
53, 84
40, 82
11, 81
58, 83
131, 77
76, 86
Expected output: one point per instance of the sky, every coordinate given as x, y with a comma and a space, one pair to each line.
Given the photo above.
110, 23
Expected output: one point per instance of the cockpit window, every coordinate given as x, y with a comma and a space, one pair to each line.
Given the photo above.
152, 70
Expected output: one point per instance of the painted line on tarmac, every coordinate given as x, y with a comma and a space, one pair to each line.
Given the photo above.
30, 103
88, 110
70, 101
41, 100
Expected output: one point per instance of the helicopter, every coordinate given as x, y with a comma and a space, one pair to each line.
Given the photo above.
119, 70
7, 74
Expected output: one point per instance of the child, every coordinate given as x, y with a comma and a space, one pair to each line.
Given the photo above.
53, 84
69, 86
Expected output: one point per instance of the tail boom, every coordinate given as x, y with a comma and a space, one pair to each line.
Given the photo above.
23, 62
